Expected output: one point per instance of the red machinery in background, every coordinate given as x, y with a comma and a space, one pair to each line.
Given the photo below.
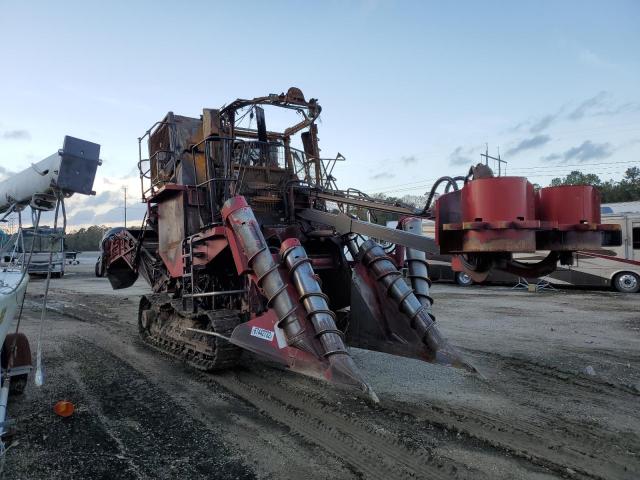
491, 218
249, 244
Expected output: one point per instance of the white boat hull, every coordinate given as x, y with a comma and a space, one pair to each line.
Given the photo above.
13, 285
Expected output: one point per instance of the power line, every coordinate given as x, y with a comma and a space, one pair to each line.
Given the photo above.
550, 167
542, 168
427, 186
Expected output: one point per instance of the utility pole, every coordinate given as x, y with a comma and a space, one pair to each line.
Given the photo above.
497, 160
125, 207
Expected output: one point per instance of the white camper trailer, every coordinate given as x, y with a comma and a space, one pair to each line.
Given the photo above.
617, 267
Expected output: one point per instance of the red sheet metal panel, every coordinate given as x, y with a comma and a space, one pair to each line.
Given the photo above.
569, 204
171, 213
498, 198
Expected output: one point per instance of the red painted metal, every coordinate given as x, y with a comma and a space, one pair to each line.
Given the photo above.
239, 216
498, 240
240, 260
122, 246
168, 189
305, 334
609, 257
569, 204
233, 204
255, 335
208, 245
322, 262
171, 212
502, 214
289, 243
498, 199
119, 249
382, 329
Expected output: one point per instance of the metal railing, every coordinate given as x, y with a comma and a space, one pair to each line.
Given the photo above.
233, 157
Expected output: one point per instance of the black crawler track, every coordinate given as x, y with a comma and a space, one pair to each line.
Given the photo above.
204, 352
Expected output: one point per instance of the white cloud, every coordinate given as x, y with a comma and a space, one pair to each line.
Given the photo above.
107, 206
586, 151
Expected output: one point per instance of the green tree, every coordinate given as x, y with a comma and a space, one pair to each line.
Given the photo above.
632, 175
85, 239
626, 190
577, 178
630, 185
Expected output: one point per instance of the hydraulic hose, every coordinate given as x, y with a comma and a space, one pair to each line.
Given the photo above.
451, 182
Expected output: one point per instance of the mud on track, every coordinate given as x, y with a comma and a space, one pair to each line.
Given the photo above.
534, 415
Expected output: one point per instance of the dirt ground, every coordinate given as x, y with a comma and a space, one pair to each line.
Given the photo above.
537, 411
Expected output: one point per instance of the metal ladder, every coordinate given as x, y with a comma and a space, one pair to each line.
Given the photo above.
187, 274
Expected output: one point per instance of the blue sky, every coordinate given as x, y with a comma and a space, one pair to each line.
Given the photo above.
410, 90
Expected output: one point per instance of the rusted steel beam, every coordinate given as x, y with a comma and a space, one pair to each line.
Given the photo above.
345, 225
365, 203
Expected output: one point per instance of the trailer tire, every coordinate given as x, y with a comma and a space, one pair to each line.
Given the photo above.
22, 358
98, 269
626, 282
463, 279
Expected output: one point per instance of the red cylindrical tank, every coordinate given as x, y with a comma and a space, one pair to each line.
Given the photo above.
498, 199
569, 204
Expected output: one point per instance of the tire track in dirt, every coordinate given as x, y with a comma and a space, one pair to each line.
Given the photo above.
376, 456
576, 452
493, 432
552, 382
156, 437
549, 440
356, 425
528, 441
373, 455
95, 407
255, 435
590, 385
542, 440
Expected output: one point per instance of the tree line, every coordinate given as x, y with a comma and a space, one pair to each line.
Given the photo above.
85, 239
626, 190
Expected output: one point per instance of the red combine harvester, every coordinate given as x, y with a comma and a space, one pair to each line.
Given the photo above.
249, 244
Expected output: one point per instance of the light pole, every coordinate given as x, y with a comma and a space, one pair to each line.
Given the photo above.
125, 207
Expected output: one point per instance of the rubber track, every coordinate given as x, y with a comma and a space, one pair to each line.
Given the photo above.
224, 356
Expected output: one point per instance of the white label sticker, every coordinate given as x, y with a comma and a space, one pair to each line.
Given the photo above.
262, 333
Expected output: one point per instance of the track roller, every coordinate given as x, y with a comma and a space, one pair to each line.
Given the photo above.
184, 335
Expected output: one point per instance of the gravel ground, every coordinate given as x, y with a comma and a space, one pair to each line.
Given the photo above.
557, 397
